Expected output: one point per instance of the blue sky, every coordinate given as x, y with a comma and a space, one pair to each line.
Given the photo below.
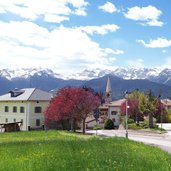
69, 36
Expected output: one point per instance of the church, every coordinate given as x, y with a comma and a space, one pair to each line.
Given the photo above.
109, 109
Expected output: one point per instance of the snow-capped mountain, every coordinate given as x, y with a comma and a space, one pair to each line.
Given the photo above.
132, 73
90, 74
153, 74
121, 79
27, 72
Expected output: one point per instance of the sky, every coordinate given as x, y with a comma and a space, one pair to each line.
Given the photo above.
69, 36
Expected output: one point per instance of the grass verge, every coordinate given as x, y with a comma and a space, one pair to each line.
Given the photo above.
57, 150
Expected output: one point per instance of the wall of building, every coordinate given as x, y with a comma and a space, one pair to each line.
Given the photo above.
114, 114
10, 116
29, 116
36, 116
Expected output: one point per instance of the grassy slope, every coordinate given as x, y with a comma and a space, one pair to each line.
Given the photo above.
54, 150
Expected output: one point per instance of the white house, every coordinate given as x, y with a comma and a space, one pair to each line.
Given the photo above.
24, 105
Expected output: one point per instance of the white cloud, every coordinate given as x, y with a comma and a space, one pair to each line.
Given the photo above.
136, 63
80, 12
147, 15
26, 44
114, 52
76, 3
55, 18
102, 30
158, 43
48, 9
167, 63
108, 7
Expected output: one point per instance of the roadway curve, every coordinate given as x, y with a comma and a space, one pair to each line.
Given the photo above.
161, 140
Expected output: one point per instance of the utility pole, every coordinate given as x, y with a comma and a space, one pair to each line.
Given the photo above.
126, 119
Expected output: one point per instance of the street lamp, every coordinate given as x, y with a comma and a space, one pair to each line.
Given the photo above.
126, 120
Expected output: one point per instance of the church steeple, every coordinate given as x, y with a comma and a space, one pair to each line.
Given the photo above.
108, 97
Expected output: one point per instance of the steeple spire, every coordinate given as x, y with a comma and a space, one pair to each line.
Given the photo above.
108, 87
108, 97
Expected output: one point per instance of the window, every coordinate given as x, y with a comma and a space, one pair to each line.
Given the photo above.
14, 120
37, 122
14, 109
38, 109
21, 109
22, 121
6, 109
114, 113
6, 120
16, 92
113, 119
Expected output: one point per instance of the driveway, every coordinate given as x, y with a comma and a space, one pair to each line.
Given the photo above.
161, 140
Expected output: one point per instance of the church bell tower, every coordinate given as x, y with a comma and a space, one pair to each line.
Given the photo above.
108, 96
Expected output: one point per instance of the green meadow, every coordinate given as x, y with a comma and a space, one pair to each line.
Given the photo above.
58, 151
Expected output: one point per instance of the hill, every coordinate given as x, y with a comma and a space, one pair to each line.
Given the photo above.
119, 86
48, 82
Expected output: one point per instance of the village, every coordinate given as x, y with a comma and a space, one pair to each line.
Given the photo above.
85, 85
23, 109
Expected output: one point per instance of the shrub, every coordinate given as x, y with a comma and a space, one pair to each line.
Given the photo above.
123, 121
97, 127
109, 124
130, 121
168, 116
146, 122
143, 125
134, 126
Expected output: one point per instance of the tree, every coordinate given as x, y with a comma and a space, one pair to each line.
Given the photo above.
133, 104
160, 113
133, 108
149, 105
72, 103
141, 104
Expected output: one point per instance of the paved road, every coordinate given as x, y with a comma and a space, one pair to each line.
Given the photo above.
161, 140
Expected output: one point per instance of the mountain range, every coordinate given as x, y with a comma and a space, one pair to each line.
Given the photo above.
121, 79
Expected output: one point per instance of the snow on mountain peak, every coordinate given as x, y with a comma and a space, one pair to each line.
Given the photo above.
26, 73
87, 74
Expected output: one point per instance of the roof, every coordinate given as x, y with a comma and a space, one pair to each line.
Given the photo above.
117, 103
27, 94
104, 106
166, 102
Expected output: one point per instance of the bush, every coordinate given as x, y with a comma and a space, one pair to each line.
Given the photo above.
123, 121
130, 121
97, 127
146, 122
109, 124
168, 116
134, 126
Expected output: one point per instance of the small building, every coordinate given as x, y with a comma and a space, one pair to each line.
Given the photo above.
166, 103
25, 106
109, 109
114, 111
